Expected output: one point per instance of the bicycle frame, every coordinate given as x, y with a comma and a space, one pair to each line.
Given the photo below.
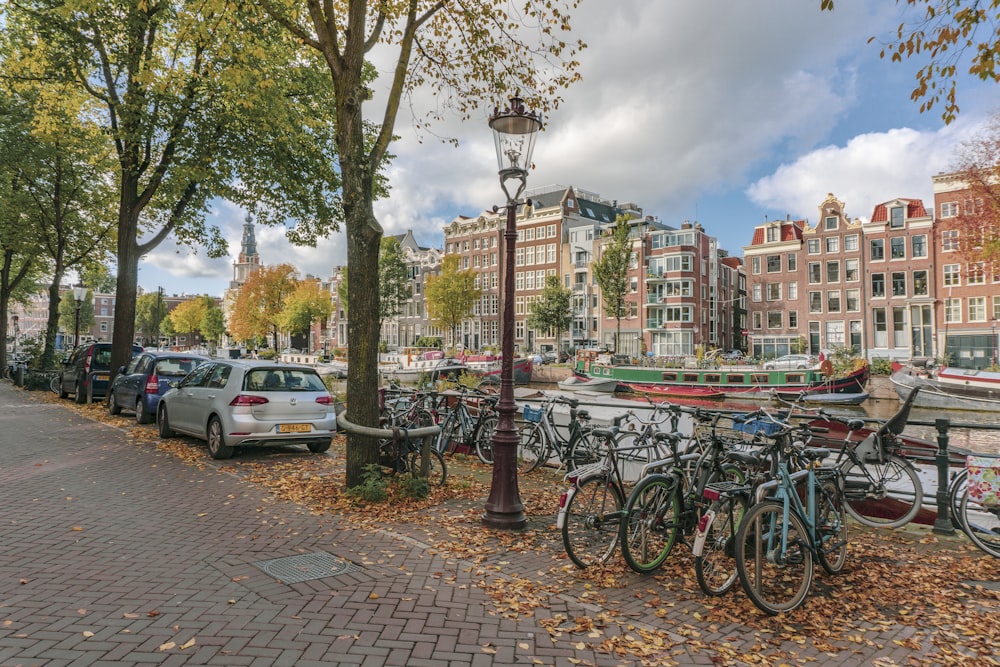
786, 487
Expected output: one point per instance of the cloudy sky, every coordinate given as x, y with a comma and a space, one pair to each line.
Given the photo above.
715, 111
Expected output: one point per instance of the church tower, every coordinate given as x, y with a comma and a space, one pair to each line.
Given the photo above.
249, 260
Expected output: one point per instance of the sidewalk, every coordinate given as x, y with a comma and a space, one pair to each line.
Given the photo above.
115, 552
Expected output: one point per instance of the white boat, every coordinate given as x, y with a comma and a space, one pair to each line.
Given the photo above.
577, 383
949, 387
335, 368
410, 367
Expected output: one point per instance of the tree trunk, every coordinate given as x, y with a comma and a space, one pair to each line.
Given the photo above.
128, 277
52, 321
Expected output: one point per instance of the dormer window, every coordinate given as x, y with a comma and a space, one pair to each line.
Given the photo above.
896, 216
773, 234
831, 222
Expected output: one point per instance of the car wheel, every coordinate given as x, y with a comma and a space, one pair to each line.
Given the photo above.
81, 395
113, 407
141, 416
217, 447
801, 367
163, 423
320, 447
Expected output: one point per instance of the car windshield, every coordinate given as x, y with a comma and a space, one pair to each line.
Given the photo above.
283, 379
176, 367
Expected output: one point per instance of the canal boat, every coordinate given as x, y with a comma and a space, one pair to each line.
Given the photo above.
487, 366
673, 391
949, 387
584, 383
736, 382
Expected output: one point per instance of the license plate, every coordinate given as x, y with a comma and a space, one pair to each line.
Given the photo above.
101, 378
294, 428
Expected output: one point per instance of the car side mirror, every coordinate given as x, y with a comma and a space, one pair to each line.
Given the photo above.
121, 370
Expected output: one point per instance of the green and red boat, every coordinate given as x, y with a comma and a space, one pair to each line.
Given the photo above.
735, 382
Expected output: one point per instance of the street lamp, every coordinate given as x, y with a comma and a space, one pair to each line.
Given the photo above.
514, 132
79, 294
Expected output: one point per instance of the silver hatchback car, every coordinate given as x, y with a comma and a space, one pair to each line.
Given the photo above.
240, 403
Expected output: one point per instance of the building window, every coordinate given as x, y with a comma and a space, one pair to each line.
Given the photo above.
755, 265
996, 308
977, 274
897, 247
519, 257
815, 273
918, 245
756, 292
815, 302
831, 222
920, 283
977, 308
877, 249
898, 283
773, 233
793, 319
792, 261
952, 277
552, 231
813, 247
833, 301
952, 310
851, 243
949, 240
773, 263
774, 291
853, 300
833, 244
793, 291
880, 327
896, 217
878, 284
833, 272
949, 209
851, 272
757, 320
774, 320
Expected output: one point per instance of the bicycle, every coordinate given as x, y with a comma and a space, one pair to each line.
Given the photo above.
590, 510
402, 455
975, 505
882, 487
469, 427
541, 439
664, 508
781, 533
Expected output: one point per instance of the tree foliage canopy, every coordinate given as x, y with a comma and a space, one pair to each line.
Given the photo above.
945, 32
611, 270
977, 165
451, 294
305, 305
260, 306
551, 312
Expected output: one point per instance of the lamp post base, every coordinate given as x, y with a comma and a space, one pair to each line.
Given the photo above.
504, 508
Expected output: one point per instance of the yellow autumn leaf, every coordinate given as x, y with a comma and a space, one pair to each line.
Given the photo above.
167, 646
188, 644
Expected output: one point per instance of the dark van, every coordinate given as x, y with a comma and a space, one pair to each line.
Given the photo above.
88, 371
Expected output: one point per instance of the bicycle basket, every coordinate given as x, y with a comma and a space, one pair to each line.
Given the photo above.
984, 479
532, 414
755, 425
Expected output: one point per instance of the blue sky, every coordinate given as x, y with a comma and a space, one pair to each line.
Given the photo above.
720, 112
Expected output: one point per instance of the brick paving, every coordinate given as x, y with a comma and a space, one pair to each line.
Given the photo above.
115, 553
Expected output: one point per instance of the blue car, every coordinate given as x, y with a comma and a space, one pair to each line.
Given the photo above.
139, 386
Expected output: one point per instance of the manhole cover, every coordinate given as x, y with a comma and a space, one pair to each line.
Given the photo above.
306, 567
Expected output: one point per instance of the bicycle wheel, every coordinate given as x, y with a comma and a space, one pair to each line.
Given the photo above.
450, 435
437, 473
831, 522
586, 450
716, 567
55, 384
590, 527
773, 559
532, 450
981, 523
956, 489
484, 439
650, 528
888, 495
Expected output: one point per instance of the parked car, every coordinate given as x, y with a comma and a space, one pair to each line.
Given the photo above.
87, 372
233, 403
147, 377
734, 355
791, 361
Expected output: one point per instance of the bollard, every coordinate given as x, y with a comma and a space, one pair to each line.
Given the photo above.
19, 375
942, 524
